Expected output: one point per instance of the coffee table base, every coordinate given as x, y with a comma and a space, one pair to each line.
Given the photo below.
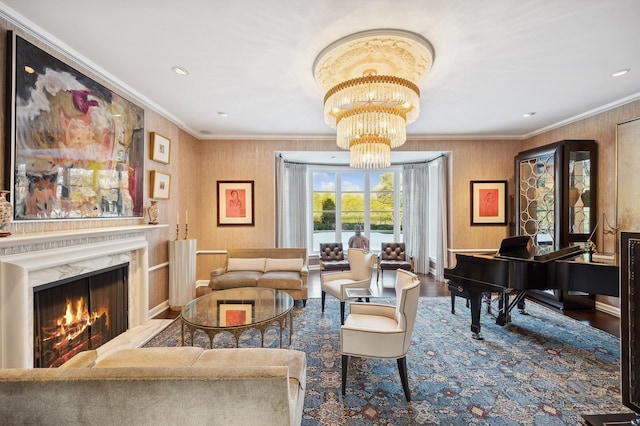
238, 330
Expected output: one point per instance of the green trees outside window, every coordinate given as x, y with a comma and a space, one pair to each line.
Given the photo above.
344, 199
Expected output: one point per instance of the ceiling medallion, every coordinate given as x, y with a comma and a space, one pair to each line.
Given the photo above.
370, 79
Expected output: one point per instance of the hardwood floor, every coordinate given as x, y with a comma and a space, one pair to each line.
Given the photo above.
433, 288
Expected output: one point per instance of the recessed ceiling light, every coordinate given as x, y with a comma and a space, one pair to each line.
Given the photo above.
528, 114
29, 69
180, 70
621, 72
222, 114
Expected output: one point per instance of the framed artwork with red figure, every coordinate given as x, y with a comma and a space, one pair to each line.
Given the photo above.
235, 203
488, 202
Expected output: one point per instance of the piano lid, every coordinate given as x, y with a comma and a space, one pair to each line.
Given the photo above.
521, 247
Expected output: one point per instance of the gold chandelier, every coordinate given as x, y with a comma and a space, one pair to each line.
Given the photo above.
371, 97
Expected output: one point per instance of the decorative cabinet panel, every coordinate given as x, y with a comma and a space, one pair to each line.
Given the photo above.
555, 202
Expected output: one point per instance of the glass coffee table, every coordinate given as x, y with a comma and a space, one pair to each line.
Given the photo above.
236, 311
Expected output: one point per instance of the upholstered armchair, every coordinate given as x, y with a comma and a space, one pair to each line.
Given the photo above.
382, 331
393, 257
332, 258
359, 276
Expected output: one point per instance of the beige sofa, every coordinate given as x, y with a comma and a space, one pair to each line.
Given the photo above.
281, 268
160, 386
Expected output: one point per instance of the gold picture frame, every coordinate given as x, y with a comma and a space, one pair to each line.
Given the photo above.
160, 148
160, 185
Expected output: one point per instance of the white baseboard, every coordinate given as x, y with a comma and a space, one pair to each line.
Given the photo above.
611, 310
158, 309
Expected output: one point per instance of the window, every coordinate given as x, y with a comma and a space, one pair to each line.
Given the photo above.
342, 199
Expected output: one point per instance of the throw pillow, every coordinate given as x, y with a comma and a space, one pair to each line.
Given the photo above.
248, 264
294, 264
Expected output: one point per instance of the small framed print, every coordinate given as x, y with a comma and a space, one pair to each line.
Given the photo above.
488, 202
160, 148
235, 203
234, 313
160, 183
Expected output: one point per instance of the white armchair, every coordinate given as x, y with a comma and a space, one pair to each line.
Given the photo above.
382, 331
359, 276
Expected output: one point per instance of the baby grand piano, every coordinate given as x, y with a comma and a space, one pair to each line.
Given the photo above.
518, 266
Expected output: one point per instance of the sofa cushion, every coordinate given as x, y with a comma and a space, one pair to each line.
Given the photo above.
183, 356
235, 279
294, 265
283, 280
245, 264
295, 360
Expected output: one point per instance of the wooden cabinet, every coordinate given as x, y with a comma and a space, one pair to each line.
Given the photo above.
555, 203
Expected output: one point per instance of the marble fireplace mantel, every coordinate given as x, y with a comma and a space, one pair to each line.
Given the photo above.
29, 261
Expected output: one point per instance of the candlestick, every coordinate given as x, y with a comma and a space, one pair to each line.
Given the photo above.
177, 225
186, 224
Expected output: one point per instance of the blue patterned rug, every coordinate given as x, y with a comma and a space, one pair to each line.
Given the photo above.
542, 369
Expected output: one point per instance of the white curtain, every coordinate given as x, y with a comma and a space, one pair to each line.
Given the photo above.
418, 184
442, 259
415, 184
291, 204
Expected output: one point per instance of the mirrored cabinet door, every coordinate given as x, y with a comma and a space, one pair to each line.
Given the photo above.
579, 188
537, 197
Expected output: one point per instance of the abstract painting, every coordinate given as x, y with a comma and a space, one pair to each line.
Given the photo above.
77, 147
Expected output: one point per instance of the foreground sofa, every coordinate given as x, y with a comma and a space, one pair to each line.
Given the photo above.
160, 386
281, 268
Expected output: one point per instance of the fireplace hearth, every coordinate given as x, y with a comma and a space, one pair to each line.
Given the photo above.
78, 314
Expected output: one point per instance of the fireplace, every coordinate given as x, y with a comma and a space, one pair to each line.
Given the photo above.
31, 263
78, 314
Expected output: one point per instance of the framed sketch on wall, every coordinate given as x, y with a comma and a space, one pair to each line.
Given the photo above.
235, 203
160, 184
77, 148
159, 148
488, 202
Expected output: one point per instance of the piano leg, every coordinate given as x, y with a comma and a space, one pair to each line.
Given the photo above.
505, 309
475, 300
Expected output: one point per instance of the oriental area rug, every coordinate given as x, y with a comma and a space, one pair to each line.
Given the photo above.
541, 369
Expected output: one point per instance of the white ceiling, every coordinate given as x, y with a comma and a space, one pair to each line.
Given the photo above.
253, 59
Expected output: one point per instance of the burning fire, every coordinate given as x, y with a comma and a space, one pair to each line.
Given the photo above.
75, 320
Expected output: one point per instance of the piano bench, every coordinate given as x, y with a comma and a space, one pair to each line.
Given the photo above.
460, 292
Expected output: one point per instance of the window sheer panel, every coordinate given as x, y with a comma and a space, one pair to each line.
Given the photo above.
415, 178
442, 226
291, 204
